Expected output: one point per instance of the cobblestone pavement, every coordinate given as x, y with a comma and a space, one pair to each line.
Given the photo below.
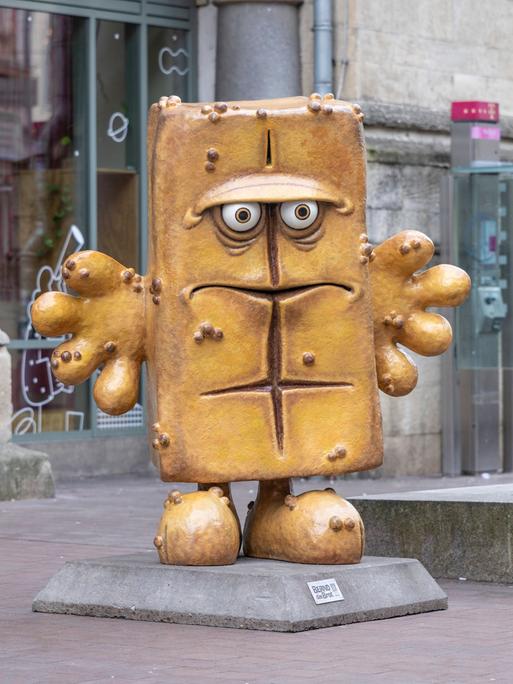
470, 642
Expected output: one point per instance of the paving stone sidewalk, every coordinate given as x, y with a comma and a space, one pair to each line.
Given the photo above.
471, 642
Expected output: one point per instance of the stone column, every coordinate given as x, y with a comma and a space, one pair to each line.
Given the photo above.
24, 474
257, 49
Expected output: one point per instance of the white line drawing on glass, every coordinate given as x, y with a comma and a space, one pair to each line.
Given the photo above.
118, 127
24, 421
74, 414
173, 68
39, 387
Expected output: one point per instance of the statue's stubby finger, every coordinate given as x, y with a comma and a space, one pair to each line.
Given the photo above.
117, 387
56, 313
404, 253
93, 273
397, 373
442, 285
75, 360
426, 333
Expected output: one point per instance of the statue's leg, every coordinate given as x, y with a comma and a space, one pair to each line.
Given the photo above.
199, 528
314, 527
227, 491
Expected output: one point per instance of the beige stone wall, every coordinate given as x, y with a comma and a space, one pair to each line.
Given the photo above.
426, 52
407, 196
405, 61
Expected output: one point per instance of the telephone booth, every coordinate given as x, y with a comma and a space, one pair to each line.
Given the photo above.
477, 230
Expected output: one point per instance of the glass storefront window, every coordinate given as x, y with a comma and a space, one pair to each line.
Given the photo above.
72, 174
42, 189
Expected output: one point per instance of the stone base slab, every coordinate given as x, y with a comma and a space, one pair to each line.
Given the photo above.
461, 532
252, 594
24, 474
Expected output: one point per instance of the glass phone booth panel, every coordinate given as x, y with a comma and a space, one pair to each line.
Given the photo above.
482, 235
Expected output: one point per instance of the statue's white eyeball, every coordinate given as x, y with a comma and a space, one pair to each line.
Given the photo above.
299, 215
241, 217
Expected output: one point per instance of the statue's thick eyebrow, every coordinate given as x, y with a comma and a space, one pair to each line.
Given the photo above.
267, 187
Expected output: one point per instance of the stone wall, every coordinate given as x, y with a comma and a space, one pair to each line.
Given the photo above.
407, 196
425, 53
404, 62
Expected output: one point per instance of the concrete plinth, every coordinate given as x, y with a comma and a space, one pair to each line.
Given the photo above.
252, 594
462, 532
24, 474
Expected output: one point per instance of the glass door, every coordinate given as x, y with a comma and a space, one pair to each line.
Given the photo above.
484, 332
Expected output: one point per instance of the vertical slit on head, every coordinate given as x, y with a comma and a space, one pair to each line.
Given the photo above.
268, 153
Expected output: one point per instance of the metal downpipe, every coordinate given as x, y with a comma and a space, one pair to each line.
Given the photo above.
323, 46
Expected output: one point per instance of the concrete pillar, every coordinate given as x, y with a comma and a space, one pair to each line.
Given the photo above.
207, 42
257, 49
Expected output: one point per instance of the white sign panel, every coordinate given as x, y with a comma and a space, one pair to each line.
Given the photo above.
325, 591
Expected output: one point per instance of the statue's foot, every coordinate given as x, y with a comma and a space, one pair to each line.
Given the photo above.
199, 528
314, 527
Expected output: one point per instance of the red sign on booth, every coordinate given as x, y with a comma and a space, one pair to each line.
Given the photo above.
475, 111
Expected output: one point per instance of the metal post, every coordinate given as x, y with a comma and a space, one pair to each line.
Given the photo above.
92, 228
323, 46
92, 174
451, 442
142, 52
5, 389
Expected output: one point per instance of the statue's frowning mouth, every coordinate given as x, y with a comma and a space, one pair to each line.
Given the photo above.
272, 292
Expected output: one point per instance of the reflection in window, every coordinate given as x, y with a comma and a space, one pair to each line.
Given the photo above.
42, 191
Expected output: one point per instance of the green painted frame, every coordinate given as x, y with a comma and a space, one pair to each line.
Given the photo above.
178, 14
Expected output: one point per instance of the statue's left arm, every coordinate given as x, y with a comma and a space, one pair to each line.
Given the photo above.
400, 296
106, 323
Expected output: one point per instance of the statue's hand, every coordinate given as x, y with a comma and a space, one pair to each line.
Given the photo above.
107, 326
399, 299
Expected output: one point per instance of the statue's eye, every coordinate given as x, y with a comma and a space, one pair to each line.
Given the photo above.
299, 215
241, 217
